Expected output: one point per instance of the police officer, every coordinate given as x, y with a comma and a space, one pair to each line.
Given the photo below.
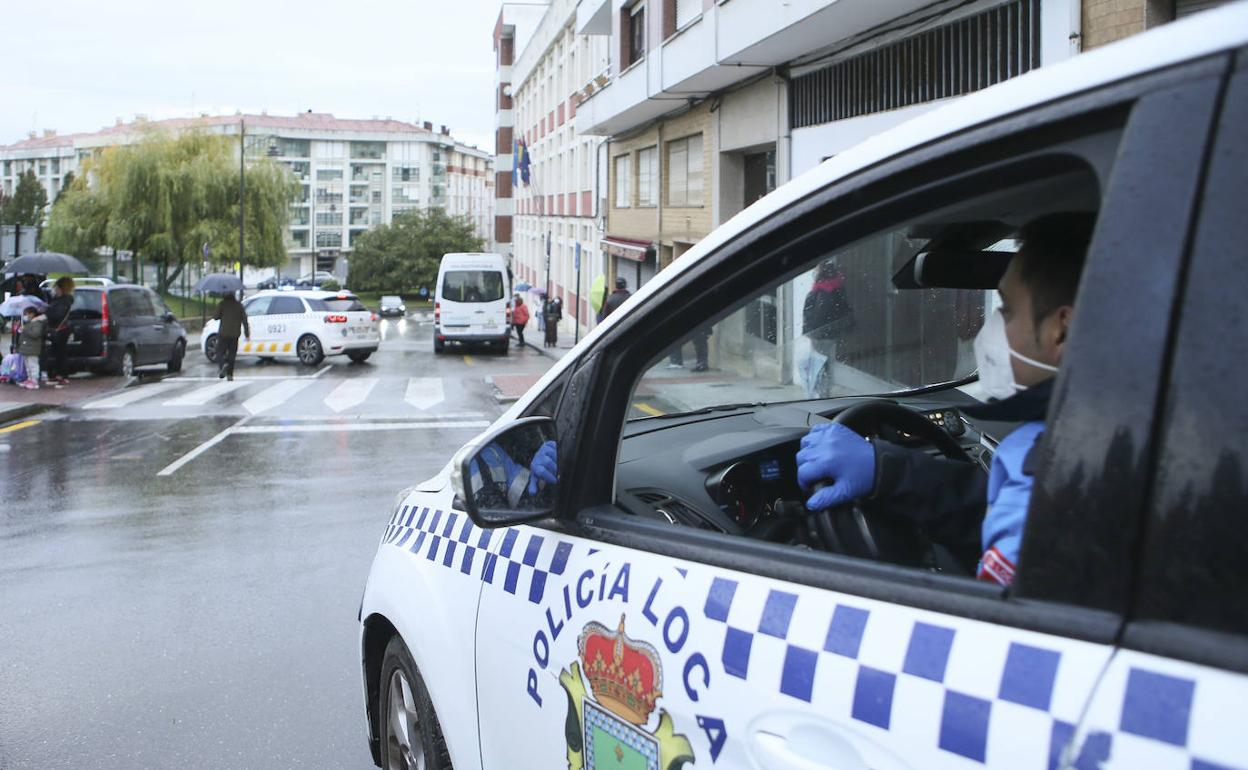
1018, 352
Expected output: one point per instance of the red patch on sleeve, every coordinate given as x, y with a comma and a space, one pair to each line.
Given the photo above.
995, 568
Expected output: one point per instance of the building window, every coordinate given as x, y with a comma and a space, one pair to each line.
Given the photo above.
329, 219
633, 39
648, 177
684, 171
407, 173
293, 148
623, 191
329, 173
299, 239
331, 239
368, 150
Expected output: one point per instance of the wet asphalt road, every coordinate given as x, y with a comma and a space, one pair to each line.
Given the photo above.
207, 617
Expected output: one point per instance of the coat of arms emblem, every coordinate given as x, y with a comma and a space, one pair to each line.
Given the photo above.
607, 723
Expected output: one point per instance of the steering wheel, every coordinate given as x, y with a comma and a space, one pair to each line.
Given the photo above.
855, 530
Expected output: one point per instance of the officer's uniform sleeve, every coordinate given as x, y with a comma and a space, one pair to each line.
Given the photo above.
1009, 494
945, 497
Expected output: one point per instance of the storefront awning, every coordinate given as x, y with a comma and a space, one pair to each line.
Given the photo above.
628, 248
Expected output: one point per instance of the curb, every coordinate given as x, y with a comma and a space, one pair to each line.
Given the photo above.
546, 351
499, 396
22, 411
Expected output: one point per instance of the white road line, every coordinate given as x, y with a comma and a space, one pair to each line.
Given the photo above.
173, 467
324, 369
350, 393
362, 426
274, 395
424, 392
201, 396
129, 396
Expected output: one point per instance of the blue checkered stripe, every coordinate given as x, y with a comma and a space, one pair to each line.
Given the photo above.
494, 556
905, 695
1183, 718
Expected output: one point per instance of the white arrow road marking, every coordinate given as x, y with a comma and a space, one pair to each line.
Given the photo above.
201, 396
424, 392
274, 395
350, 393
129, 396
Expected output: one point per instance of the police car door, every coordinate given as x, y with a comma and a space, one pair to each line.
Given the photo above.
622, 639
1173, 697
257, 319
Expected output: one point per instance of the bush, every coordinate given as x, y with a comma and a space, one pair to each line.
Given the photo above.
330, 285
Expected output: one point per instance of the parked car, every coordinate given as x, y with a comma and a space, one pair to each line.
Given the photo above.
308, 280
391, 304
669, 601
118, 328
304, 325
90, 280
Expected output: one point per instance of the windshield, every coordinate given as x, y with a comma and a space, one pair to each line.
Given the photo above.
840, 328
337, 304
472, 286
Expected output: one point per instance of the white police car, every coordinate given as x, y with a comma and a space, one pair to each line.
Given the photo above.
669, 602
302, 325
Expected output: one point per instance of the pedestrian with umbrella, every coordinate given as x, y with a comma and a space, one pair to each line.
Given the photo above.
58, 323
45, 262
232, 315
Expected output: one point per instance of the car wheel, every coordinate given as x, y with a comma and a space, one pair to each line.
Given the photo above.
359, 356
212, 349
411, 737
127, 363
438, 345
175, 361
505, 345
309, 349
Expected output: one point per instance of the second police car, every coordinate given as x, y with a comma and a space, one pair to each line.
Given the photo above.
668, 601
305, 325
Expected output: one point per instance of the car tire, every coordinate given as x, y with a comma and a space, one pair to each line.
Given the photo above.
212, 349
411, 736
359, 356
505, 345
438, 345
125, 366
309, 350
175, 361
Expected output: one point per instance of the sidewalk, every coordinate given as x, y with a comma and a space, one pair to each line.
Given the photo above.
80, 388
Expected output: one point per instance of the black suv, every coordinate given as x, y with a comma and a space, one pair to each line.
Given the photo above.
115, 329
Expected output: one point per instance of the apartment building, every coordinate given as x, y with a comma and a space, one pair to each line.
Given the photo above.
709, 104
558, 175
353, 174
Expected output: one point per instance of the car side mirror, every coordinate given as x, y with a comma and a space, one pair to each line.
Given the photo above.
509, 475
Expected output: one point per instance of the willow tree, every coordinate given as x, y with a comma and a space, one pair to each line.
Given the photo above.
167, 195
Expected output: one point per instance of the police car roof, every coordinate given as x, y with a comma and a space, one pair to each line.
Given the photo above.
308, 293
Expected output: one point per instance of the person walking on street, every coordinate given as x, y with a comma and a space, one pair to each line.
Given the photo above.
58, 321
617, 297
699, 339
233, 317
30, 346
520, 318
827, 318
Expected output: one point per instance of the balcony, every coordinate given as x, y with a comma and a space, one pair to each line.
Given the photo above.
729, 43
593, 17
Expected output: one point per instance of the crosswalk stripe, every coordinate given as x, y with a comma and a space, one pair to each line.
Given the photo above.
201, 396
424, 392
350, 393
128, 396
274, 395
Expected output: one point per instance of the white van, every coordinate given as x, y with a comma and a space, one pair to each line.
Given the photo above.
472, 302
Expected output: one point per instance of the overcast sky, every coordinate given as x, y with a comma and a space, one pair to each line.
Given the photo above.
77, 65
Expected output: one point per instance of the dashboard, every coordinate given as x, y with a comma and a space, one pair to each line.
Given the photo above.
736, 472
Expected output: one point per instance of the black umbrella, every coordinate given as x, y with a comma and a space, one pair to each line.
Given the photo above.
219, 283
45, 262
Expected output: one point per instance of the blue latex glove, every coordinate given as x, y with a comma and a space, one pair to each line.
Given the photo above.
545, 466
837, 455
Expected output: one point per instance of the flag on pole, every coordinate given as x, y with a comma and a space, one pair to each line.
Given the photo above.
524, 163
515, 162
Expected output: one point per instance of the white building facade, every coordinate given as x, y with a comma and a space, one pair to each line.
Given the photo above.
353, 174
558, 216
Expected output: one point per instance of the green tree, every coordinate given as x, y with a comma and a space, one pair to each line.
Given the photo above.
404, 255
25, 207
167, 195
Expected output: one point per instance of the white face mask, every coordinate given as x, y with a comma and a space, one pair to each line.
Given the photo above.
992, 356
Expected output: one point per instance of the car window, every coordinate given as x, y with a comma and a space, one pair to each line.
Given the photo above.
158, 304
87, 305
340, 304
472, 286
143, 302
286, 305
257, 306
121, 303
